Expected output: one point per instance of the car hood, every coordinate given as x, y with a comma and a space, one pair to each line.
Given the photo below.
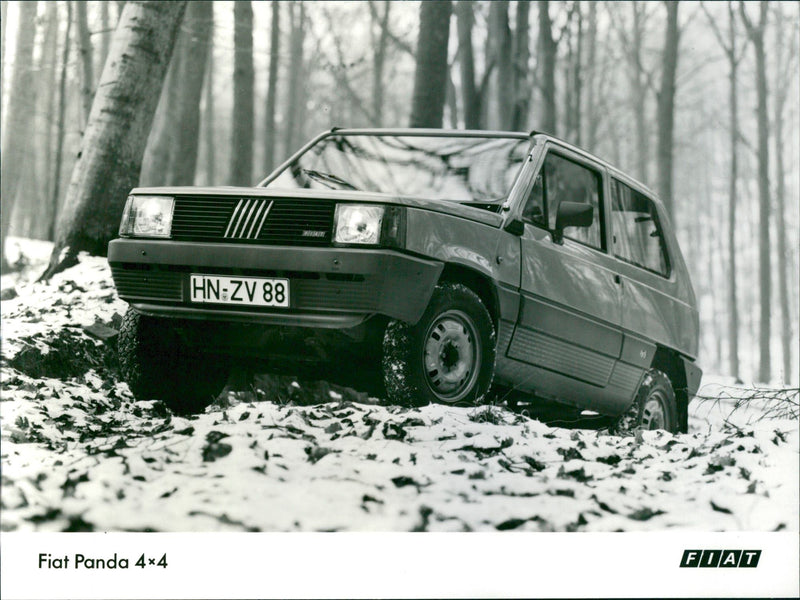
441, 206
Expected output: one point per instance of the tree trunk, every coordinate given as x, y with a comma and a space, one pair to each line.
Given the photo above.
470, 96
16, 133
55, 194
3, 19
197, 38
378, 66
241, 166
87, 66
756, 35
116, 133
209, 135
577, 79
589, 78
521, 91
430, 76
295, 84
452, 102
272, 89
572, 76
733, 305
48, 78
785, 62
160, 147
666, 108
638, 83
547, 74
105, 35
501, 98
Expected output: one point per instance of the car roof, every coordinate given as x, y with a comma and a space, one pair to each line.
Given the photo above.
480, 133
533, 135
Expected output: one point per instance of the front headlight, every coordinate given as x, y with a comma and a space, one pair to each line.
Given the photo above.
358, 223
147, 216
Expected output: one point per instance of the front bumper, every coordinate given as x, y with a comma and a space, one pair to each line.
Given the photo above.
330, 287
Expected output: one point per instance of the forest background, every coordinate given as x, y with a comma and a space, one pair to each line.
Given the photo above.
699, 100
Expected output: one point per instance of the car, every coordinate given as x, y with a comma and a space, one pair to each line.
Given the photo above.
447, 266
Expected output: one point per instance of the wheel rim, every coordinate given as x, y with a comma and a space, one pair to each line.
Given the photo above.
654, 414
451, 358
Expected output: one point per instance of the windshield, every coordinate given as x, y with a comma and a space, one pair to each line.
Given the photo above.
458, 169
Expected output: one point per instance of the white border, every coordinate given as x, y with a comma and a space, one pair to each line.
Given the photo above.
441, 565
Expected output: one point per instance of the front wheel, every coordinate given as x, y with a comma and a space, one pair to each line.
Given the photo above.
448, 356
653, 408
155, 365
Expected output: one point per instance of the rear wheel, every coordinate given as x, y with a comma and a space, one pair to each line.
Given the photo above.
156, 365
448, 356
653, 408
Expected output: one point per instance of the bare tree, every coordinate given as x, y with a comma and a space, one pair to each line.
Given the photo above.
547, 48
241, 166
16, 137
573, 73
161, 146
58, 160
665, 107
430, 76
116, 133
47, 76
3, 20
520, 56
755, 31
272, 89
500, 100
197, 27
105, 34
589, 79
734, 55
209, 120
379, 60
87, 61
470, 94
786, 64
297, 19
639, 77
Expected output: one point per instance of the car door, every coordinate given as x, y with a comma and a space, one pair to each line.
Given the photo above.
568, 329
652, 310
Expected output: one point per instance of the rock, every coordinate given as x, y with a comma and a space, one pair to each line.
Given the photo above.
101, 332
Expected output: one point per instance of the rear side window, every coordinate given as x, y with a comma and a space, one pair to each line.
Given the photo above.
560, 180
637, 238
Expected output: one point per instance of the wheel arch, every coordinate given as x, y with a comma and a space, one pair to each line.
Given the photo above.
671, 364
478, 282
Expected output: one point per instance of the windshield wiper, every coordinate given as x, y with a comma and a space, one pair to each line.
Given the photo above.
329, 178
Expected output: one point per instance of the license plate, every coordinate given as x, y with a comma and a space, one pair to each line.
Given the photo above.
245, 291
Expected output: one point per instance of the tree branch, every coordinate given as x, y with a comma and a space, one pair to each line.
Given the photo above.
402, 44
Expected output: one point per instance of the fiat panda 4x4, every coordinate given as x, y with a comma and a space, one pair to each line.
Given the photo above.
448, 262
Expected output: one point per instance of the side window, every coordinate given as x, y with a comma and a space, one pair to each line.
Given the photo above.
637, 233
561, 179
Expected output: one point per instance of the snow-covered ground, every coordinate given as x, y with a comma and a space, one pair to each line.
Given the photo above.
80, 454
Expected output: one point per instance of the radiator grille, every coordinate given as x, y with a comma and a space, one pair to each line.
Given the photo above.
292, 222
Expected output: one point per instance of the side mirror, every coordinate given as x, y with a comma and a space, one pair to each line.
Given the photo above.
572, 214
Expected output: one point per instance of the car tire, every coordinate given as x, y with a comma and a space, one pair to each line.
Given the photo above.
653, 408
446, 357
155, 365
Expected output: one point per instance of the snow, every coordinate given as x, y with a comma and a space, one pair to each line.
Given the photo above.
80, 453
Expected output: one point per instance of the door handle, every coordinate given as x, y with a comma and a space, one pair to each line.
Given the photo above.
617, 279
